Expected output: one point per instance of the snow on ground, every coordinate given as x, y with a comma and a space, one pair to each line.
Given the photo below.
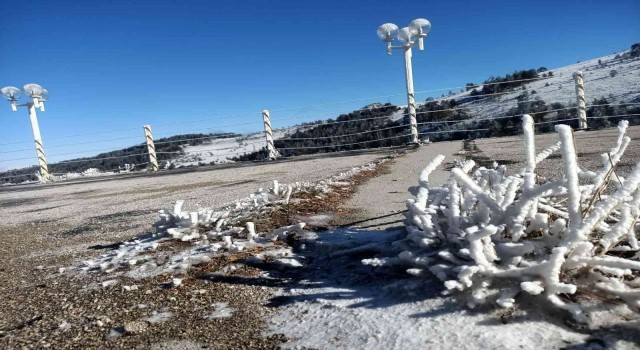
94, 172
338, 303
397, 115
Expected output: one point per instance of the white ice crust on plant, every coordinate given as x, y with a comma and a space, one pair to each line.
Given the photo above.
487, 232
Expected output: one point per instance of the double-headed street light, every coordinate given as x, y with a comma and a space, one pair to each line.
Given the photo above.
38, 97
408, 37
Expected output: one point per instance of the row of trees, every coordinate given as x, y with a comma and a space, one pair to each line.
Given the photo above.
166, 148
356, 130
443, 121
509, 82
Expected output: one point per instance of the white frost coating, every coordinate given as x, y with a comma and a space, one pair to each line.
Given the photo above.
533, 288
283, 232
529, 144
424, 174
530, 162
622, 228
467, 182
476, 247
547, 152
570, 162
486, 232
611, 159
251, 231
423, 180
468, 165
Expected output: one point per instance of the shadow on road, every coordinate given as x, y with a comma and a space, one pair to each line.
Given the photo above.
332, 272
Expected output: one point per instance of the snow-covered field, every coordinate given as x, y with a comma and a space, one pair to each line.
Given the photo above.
224, 149
623, 87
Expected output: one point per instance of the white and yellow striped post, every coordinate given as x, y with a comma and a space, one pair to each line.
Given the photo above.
151, 148
268, 133
42, 160
582, 111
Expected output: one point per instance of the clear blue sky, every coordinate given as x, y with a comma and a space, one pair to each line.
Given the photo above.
121, 64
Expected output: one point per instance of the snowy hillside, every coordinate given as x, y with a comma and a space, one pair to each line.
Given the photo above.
623, 87
222, 150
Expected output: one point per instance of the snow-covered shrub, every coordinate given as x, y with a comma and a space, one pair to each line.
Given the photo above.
209, 233
91, 172
491, 235
216, 224
213, 232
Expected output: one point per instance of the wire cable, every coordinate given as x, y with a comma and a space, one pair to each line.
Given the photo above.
343, 145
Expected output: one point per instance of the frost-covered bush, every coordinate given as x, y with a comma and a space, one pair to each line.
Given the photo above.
205, 233
215, 224
210, 232
491, 235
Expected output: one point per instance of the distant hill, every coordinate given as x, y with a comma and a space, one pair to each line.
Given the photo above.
117, 160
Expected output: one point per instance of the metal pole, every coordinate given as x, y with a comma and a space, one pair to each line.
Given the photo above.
582, 112
411, 101
268, 133
151, 148
42, 160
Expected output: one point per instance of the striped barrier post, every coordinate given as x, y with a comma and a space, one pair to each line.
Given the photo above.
411, 99
42, 160
582, 112
151, 148
269, 135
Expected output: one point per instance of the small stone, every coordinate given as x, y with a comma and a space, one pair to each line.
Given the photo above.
64, 325
161, 260
135, 327
99, 323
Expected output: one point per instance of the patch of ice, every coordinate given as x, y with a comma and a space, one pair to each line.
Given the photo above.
109, 283
158, 317
220, 310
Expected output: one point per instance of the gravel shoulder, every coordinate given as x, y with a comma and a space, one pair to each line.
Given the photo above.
47, 227
590, 145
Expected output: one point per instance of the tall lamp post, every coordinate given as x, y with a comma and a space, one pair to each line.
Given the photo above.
417, 29
38, 97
